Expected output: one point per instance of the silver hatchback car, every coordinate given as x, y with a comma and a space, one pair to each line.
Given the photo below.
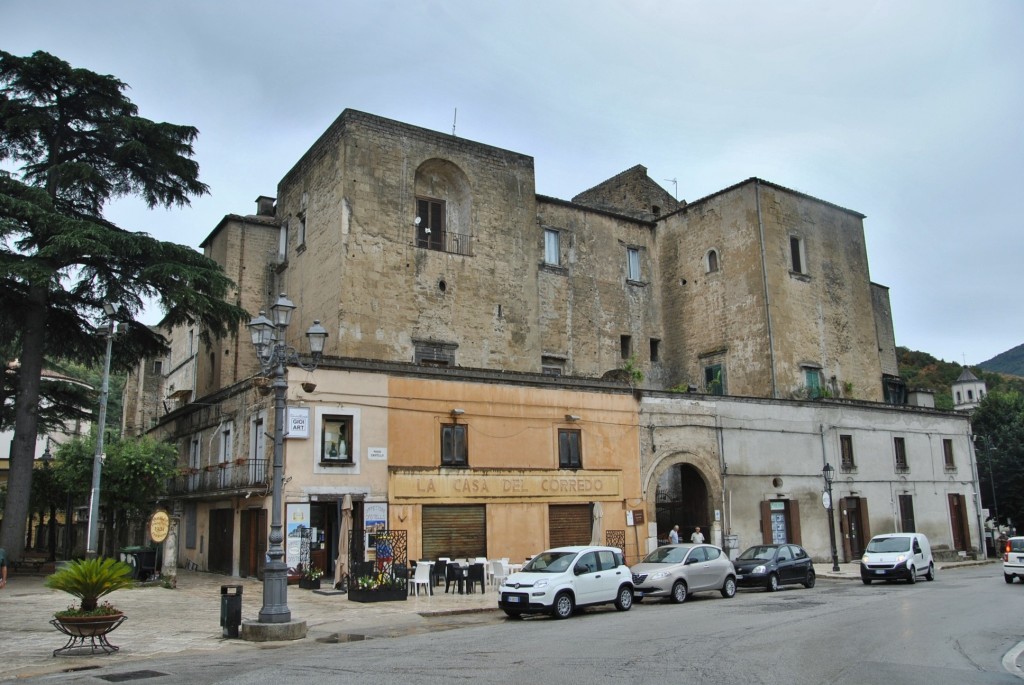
678, 571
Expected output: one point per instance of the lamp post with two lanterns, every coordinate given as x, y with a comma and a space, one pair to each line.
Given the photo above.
268, 337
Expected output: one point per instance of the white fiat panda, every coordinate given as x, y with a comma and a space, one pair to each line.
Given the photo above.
897, 556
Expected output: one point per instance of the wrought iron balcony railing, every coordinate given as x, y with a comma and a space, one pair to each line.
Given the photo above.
221, 477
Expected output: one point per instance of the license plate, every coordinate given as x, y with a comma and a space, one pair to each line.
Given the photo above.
636, 593
880, 572
1020, 559
513, 599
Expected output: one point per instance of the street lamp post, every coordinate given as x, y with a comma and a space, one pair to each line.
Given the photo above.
268, 337
828, 473
97, 461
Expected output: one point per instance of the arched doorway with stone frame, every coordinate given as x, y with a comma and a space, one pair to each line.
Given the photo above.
683, 493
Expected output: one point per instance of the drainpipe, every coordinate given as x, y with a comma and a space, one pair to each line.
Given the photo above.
764, 281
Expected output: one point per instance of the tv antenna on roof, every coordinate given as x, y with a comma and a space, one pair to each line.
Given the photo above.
675, 183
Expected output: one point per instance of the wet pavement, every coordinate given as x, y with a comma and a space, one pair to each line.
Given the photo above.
163, 621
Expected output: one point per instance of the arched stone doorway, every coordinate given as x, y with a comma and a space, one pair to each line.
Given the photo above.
681, 499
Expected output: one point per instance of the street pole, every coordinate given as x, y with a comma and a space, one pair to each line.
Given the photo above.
275, 574
97, 461
828, 473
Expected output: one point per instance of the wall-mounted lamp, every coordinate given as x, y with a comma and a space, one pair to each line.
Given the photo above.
571, 418
458, 412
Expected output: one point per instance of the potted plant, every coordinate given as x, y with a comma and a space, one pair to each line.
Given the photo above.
89, 580
378, 587
311, 578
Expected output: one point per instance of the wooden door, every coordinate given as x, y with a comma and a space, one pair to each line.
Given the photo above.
222, 534
253, 545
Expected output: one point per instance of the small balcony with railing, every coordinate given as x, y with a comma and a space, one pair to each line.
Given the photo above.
222, 477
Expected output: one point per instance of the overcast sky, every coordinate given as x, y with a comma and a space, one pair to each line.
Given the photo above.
910, 112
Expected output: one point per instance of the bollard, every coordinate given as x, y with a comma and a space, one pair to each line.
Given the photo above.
230, 609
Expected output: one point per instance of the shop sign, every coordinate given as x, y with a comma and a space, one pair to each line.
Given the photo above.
517, 485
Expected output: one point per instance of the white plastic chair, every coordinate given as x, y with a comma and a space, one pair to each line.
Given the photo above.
498, 572
421, 577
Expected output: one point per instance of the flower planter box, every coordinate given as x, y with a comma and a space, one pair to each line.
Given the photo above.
309, 584
357, 595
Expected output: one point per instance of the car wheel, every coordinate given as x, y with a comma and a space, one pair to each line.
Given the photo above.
809, 583
866, 581
729, 587
931, 572
679, 592
563, 606
1008, 578
912, 578
773, 583
624, 600
513, 614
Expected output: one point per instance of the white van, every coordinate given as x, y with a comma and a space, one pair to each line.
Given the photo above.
893, 556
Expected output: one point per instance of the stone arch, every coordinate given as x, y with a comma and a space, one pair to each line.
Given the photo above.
682, 489
440, 179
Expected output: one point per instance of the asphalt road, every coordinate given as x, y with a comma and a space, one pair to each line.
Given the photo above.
954, 630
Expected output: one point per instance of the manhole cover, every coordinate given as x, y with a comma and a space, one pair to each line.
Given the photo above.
130, 675
338, 638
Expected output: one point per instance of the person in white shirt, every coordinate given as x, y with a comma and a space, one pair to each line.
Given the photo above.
673, 536
697, 537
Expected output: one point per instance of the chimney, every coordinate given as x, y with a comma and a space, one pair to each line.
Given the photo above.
265, 205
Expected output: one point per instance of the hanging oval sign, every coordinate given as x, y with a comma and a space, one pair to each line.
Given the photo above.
159, 525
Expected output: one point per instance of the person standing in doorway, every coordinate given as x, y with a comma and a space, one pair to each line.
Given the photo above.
673, 536
697, 537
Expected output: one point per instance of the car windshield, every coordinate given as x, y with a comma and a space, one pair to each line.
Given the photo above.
1015, 545
896, 544
550, 562
666, 555
761, 552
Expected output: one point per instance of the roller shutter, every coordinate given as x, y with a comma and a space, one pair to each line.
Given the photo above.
457, 532
569, 524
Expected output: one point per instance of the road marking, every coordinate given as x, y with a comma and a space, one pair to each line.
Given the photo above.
1010, 660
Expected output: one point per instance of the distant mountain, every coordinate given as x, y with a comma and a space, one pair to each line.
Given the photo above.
1011, 361
921, 370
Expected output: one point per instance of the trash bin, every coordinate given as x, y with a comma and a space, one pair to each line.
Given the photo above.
230, 609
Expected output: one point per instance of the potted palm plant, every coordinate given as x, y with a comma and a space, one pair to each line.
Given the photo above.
90, 580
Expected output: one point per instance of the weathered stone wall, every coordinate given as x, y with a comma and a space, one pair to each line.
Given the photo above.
587, 304
884, 330
631, 193
755, 313
361, 273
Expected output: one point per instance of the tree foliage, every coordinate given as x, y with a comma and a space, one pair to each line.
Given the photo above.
922, 370
998, 425
77, 143
135, 474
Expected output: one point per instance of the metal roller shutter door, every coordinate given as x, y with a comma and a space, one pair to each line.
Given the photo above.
569, 524
457, 532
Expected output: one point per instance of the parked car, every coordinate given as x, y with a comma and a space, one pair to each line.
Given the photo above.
678, 571
1013, 559
897, 556
770, 566
560, 580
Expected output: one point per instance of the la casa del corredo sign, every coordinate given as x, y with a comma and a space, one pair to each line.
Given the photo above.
519, 485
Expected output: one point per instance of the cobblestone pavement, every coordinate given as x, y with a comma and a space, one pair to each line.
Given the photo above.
163, 621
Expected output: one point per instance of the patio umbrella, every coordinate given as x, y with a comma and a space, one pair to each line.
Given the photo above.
341, 566
597, 515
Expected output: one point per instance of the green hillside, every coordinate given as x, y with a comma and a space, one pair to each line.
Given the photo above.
921, 370
1011, 361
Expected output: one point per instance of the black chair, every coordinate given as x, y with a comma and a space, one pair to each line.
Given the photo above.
453, 574
438, 572
476, 574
